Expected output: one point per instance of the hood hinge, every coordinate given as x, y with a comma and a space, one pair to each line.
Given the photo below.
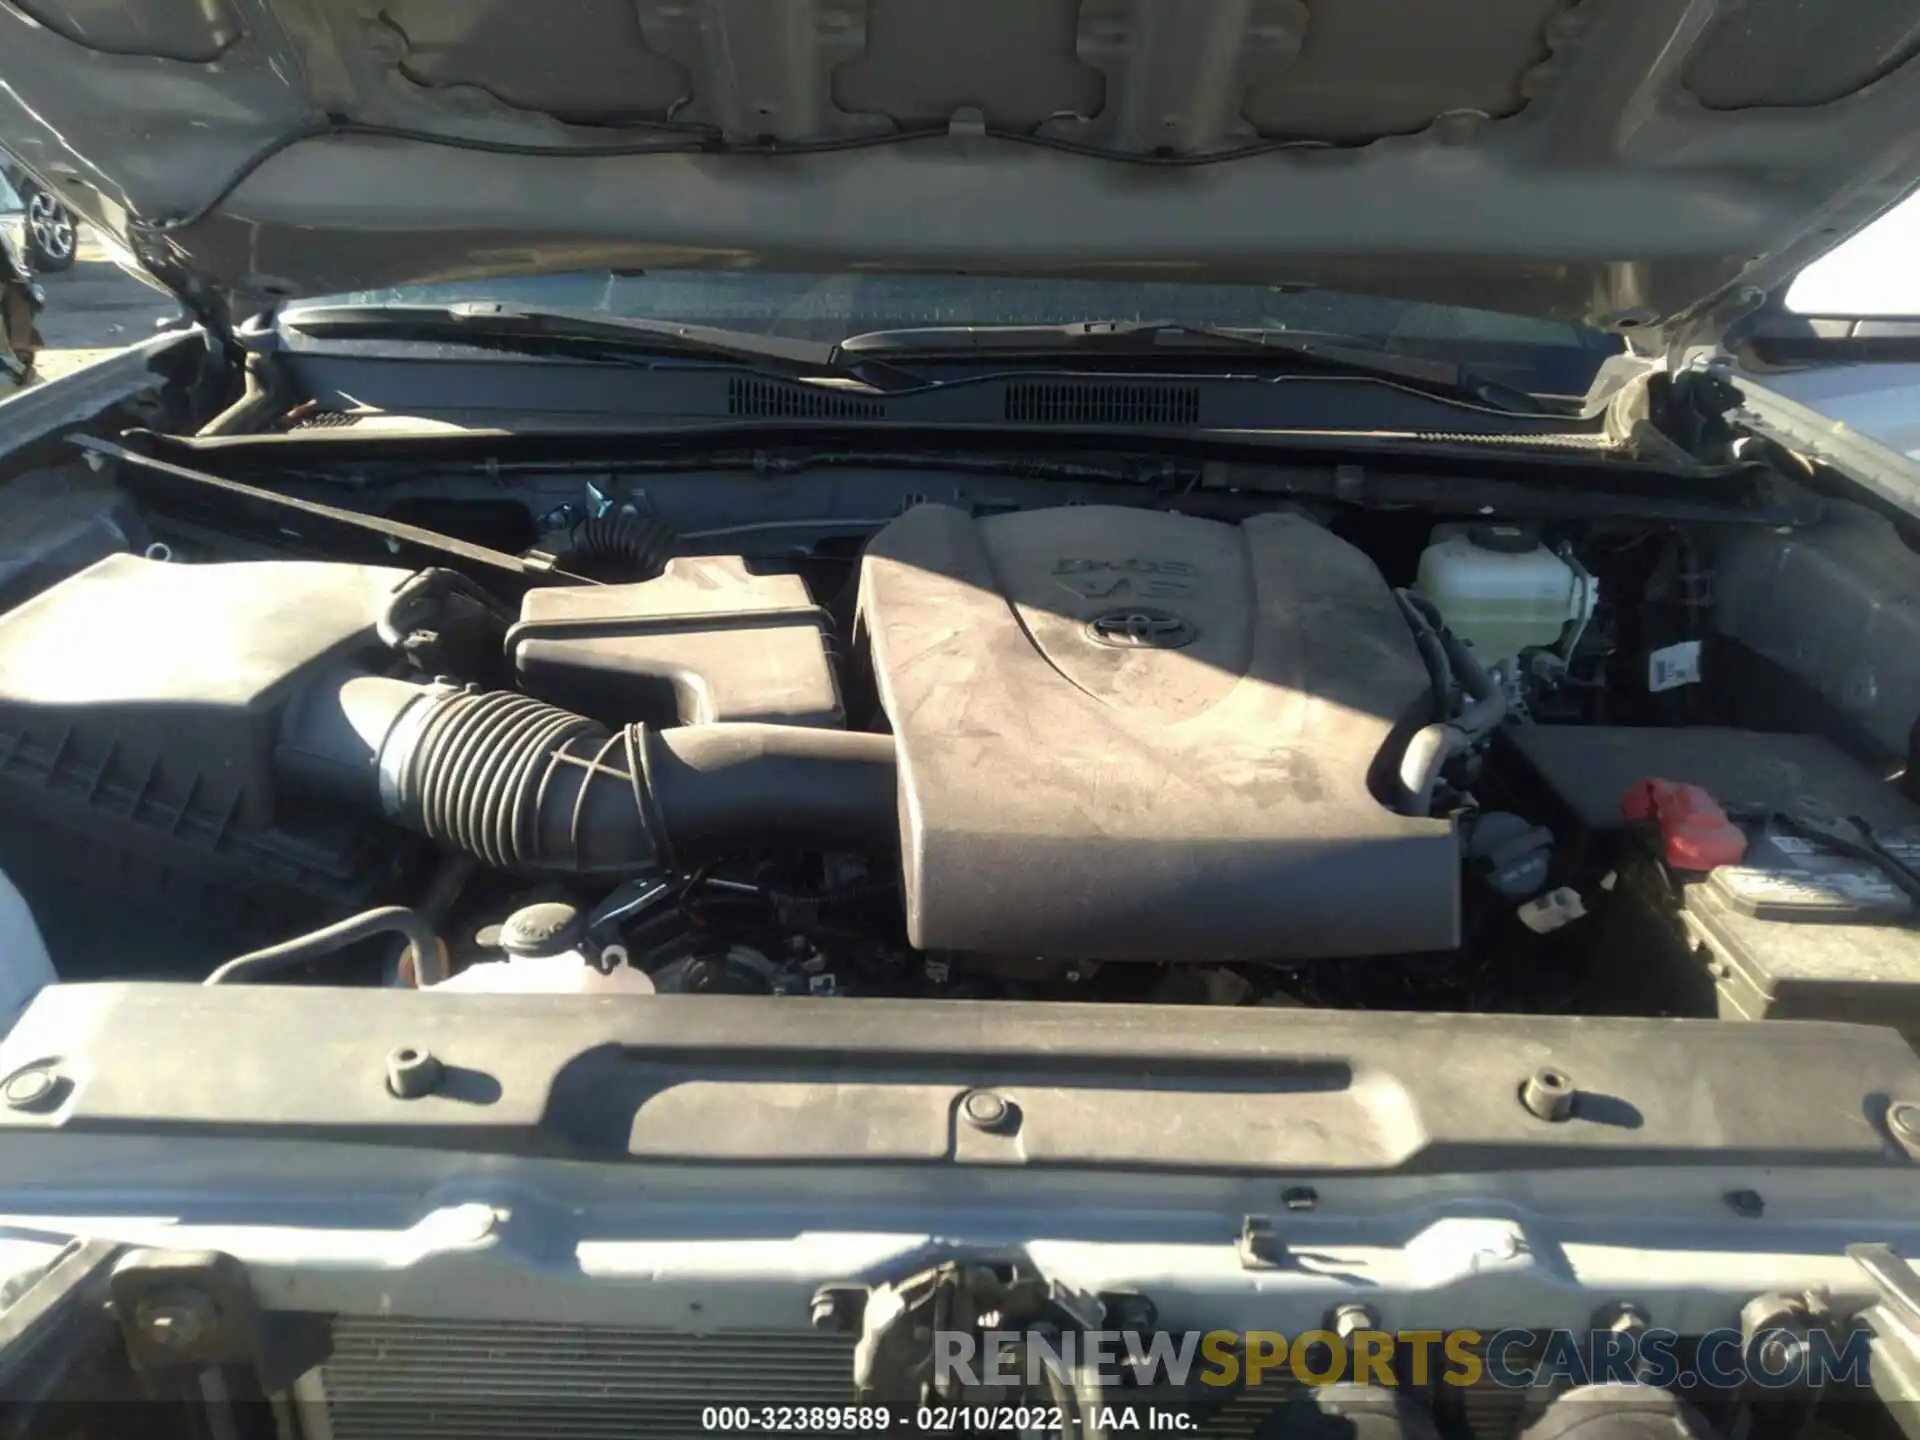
1675, 417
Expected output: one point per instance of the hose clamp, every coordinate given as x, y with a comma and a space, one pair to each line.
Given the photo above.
397, 750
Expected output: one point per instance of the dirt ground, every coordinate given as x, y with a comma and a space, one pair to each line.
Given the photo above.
94, 309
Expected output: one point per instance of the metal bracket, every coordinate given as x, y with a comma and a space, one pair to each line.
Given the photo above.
1260, 1246
838, 1308
194, 1309
1895, 1326
893, 1362
1893, 1277
53, 1320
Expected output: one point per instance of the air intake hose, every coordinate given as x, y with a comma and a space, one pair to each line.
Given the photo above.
621, 545
526, 787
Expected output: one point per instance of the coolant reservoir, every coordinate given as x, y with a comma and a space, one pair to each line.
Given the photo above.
541, 944
1502, 591
565, 974
24, 966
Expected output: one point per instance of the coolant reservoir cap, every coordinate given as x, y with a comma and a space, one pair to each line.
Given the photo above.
1503, 539
549, 928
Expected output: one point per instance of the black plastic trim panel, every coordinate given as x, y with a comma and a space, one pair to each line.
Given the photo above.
880, 1082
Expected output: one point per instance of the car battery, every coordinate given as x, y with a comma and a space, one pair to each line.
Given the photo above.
1800, 928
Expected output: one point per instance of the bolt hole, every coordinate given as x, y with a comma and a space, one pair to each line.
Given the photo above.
1553, 1080
406, 1057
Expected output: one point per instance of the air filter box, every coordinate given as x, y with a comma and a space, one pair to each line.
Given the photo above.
140, 707
706, 641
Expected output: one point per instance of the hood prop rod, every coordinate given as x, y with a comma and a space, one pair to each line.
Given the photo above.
393, 531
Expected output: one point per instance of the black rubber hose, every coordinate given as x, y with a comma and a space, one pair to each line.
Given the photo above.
622, 545
435, 906
429, 953
1489, 698
1431, 747
526, 787
1426, 638
420, 600
717, 783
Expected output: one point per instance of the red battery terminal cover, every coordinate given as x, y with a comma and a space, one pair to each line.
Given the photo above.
1695, 831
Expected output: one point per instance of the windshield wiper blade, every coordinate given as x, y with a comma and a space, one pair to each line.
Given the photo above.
1347, 354
589, 333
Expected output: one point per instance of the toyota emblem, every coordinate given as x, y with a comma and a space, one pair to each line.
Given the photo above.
1136, 629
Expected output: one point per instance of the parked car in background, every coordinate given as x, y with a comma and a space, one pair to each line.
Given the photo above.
51, 235
20, 297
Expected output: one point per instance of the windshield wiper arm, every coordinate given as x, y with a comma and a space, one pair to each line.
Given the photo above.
586, 332
1348, 354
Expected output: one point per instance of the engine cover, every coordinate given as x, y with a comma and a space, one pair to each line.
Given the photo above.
1130, 735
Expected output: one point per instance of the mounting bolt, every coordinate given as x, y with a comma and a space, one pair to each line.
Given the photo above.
176, 1322
1548, 1094
985, 1110
1622, 1318
1299, 1197
32, 1089
412, 1072
1348, 1321
1903, 1118
1780, 1353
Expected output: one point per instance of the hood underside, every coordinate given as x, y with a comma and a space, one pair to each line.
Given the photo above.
1640, 164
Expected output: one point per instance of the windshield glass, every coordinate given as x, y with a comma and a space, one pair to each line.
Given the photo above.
1542, 356
1874, 273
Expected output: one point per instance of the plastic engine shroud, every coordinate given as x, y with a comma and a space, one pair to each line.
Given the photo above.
1132, 735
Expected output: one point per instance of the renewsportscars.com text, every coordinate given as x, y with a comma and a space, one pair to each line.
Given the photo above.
1514, 1359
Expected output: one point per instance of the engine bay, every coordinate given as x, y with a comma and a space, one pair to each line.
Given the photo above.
589, 847
1083, 751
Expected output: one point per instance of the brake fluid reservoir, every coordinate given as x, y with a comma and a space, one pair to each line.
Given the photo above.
1502, 591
